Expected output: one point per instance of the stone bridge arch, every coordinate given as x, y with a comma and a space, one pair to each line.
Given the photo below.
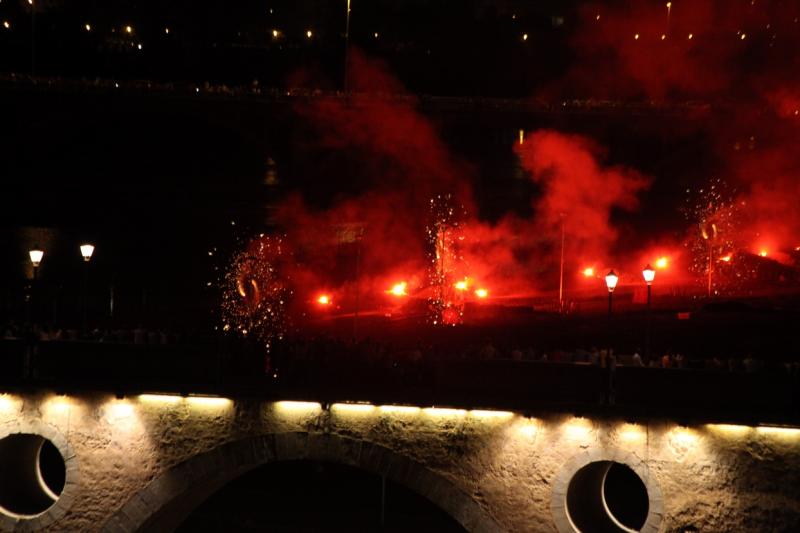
167, 500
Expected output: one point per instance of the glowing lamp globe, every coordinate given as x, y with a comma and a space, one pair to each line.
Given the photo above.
36, 257
649, 274
86, 251
611, 281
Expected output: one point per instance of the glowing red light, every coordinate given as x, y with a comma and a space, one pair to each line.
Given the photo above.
481, 293
324, 299
725, 258
462, 285
399, 289
662, 262
763, 253
588, 272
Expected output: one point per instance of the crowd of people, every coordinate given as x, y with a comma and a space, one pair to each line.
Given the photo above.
371, 352
323, 350
136, 335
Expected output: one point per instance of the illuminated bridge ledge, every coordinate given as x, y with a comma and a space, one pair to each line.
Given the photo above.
142, 462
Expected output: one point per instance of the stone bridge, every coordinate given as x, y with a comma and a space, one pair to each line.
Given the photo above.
143, 462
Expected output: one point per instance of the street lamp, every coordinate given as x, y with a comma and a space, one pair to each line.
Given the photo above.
611, 283
86, 251
649, 275
36, 256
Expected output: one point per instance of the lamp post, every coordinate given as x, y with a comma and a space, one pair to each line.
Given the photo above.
36, 255
649, 275
86, 251
611, 284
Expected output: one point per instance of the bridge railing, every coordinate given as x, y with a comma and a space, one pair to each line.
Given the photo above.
500, 384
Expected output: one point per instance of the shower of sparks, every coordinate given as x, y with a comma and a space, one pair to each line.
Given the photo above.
446, 302
717, 219
254, 295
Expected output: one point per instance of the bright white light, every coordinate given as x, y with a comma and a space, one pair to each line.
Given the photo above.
729, 429
444, 412
36, 257
400, 409
649, 274
353, 407
684, 436
777, 430
160, 398
631, 432
57, 405
611, 281
478, 413
119, 409
209, 402
9, 404
529, 428
86, 251
577, 428
297, 407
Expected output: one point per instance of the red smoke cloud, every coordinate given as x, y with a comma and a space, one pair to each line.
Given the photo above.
578, 190
367, 242
401, 148
691, 49
740, 56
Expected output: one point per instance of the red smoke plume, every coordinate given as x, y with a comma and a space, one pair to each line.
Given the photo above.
577, 190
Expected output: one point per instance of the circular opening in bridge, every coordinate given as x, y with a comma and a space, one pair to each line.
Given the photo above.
33, 474
606, 496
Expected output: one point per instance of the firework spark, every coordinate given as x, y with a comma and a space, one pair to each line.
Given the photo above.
446, 267
254, 295
717, 217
